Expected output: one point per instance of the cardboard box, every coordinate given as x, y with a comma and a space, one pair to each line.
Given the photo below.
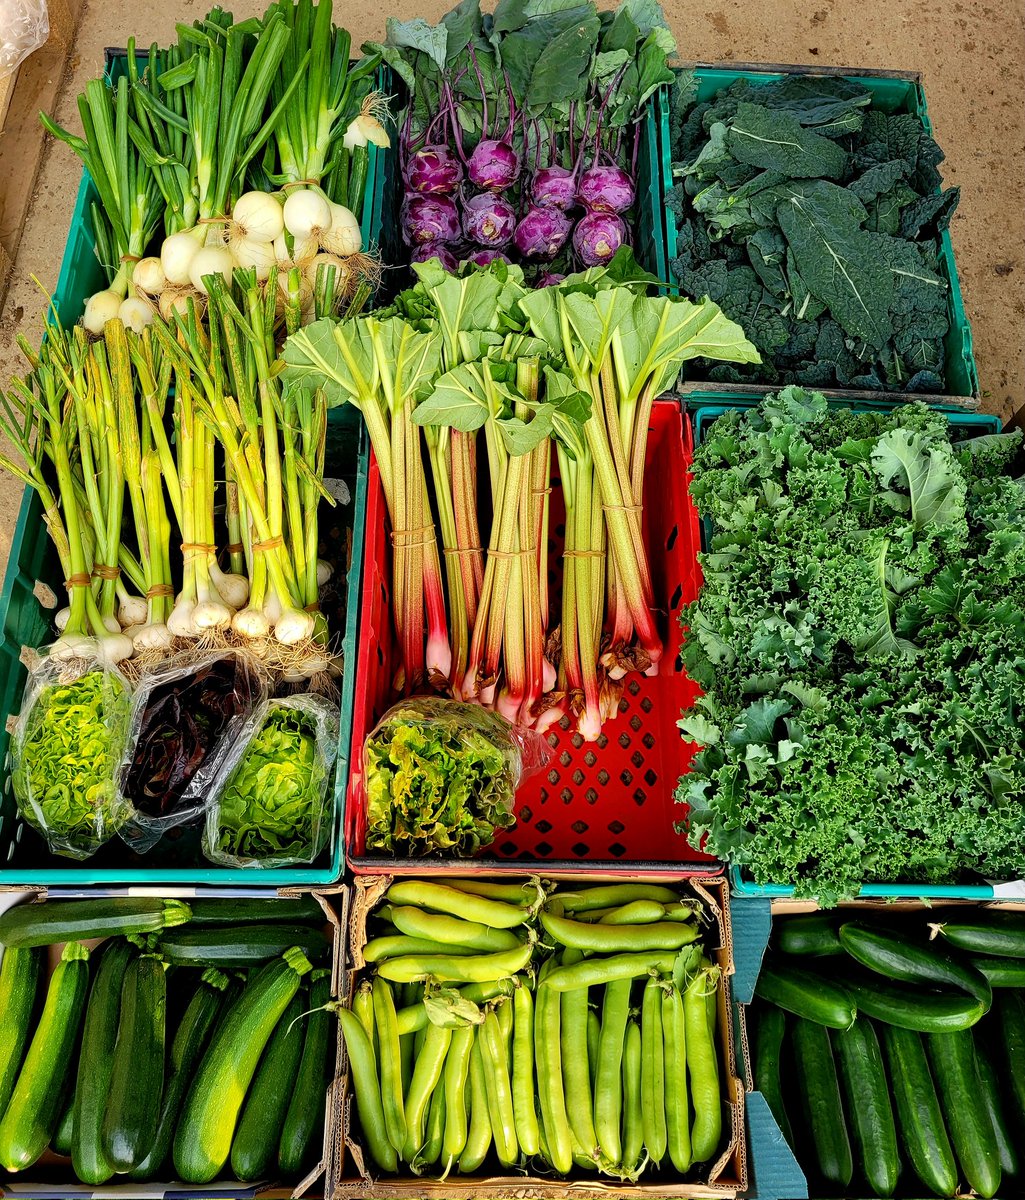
51, 1177
774, 1170
727, 1176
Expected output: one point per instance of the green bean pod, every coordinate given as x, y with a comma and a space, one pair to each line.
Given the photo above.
452, 931
415, 1017
575, 1068
653, 1073
637, 912
496, 914
618, 939
595, 972
633, 1121
612, 895
390, 1064
435, 1135
525, 894
505, 1024
608, 1081
457, 1071
475, 968
499, 1091
368, 1092
478, 1138
593, 1038
674, 1035
398, 945
524, 1108
427, 1070
702, 1066
363, 1007
548, 1058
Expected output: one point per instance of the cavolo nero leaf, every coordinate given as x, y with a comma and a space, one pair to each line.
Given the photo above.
777, 141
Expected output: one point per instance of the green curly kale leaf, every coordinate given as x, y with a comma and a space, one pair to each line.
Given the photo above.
860, 639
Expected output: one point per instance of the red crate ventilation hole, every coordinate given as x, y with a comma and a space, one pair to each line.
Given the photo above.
606, 804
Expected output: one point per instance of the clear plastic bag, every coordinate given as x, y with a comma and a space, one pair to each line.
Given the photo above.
67, 742
441, 777
186, 717
24, 27
272, 803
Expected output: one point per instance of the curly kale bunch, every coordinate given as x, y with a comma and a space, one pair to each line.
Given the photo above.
860, 639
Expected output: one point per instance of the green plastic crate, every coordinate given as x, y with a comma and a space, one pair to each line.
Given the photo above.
24, 857
891, 92
703, 409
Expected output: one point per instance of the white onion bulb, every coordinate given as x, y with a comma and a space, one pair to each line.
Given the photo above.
259, 215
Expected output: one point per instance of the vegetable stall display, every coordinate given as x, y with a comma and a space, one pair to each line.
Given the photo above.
152, 1054
860, 642
519, 139
812, 215
245, 144
889, 1046
508, 385
552, 1028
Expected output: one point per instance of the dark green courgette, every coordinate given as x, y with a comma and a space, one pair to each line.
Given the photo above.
868, 1104
54, 921
95, 1063
911, 1008
768, 1053
246, 946
918, 1110
63, 1137
956, 1072
31, 1118
820, 1091
902, 959
302, 910
137, 1076
1001, 972
254, 1150
806, 994
190, 1040
1010, 1007
809, 935
994, 933
19, 991
989, 1084
304, 1121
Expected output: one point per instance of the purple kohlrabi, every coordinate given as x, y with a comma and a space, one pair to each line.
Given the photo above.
483, 258
597, 237
550, 279
433, 170
488, 220
428, 250
606, 189
554, 187
429, 219
542, 233
493, 165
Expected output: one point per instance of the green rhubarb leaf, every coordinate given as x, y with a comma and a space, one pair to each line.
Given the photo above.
458, 399
337, 358
520, 437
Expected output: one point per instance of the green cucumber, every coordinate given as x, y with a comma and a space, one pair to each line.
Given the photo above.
989, 1084
919, 1115
245, 946
202, 1142
190, 1040
768, 1052
1001, 972
304, 1121
137, 1076
956, 1072
34, 1110
868, 1103
19, 991
910, 1008
820, 1090
53, 921
255, 1148
807, 995
95, 1063
285, 910
995, 932
809, 935
1010, 1007
902, 959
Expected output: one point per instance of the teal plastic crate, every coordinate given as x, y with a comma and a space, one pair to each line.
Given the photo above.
703, 409
650, 247
891, 92
24, 621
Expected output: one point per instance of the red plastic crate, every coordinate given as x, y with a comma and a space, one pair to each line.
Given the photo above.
607, 805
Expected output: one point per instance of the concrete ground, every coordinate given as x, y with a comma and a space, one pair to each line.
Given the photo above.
971, 54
